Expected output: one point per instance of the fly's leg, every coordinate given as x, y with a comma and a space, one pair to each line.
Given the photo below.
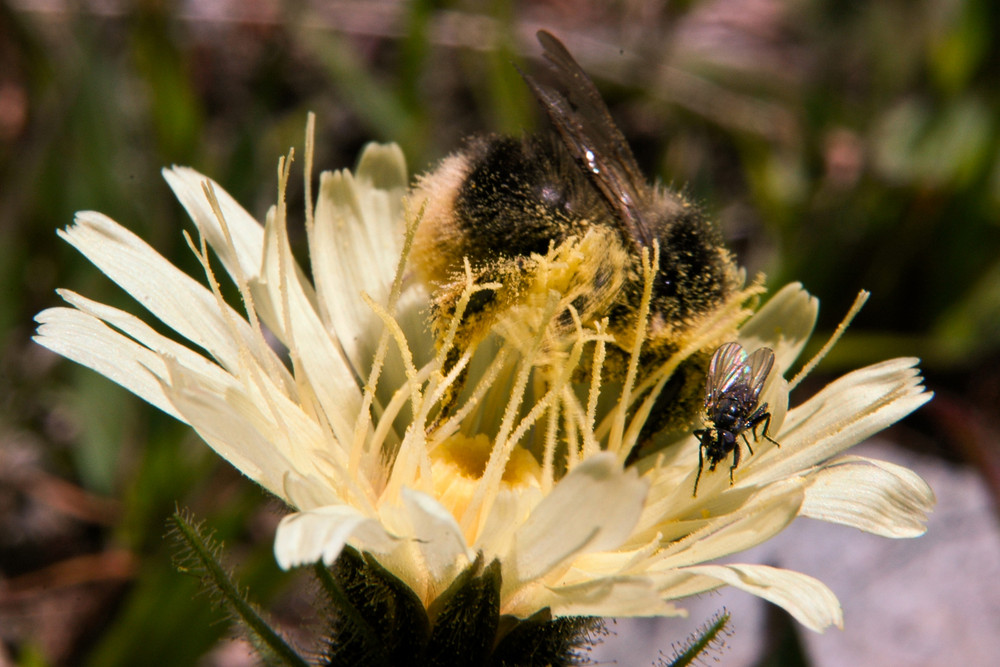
763, 419
701, 459
736, 460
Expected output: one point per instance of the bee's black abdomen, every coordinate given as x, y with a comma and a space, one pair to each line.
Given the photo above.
693, 271
519, 196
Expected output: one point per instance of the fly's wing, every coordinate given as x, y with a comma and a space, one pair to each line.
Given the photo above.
759, 363
727, 369
583, 121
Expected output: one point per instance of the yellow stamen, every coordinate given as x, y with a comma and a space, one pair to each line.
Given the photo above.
859, 302
482, 501
615, 442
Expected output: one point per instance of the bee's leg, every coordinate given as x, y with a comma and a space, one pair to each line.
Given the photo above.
747, 442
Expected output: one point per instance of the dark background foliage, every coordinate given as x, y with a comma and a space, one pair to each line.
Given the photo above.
845, 145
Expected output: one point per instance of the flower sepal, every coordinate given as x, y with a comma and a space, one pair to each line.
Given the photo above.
376, 619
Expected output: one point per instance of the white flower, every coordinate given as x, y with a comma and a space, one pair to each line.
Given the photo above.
530, 469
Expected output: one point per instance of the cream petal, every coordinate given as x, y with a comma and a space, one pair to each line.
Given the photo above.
875, 496
145, 335
175, 298
437, 535
775, 395
593, 508
307, 492
383, 167
509, 510
276, 269
807, 599
89, 341
783, 324
229, 421
355, 245
844, 413
178, 381
606, 596
246, 232
318, 356
679, 584
761, 517
607, 563
260, 430
304, 538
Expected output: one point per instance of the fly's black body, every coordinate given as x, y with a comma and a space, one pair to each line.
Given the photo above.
732, 404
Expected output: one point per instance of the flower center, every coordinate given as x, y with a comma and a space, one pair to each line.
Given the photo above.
459, 462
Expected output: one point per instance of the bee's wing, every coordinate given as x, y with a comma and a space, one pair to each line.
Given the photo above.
727, 367
759, 363
583, 121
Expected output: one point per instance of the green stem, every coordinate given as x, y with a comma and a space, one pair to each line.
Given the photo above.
215, 575
703, 640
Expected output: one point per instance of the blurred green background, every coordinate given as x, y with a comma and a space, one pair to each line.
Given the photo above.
845, 145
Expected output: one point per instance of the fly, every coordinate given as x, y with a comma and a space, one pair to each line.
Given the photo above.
732, 405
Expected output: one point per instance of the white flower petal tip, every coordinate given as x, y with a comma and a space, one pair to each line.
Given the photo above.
875, 496
318, 535
94, 342
808, 600
783, 324
383, 166
355, 247
845, 412
240, 246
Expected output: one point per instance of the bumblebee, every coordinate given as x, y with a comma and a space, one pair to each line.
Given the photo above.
504, 204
